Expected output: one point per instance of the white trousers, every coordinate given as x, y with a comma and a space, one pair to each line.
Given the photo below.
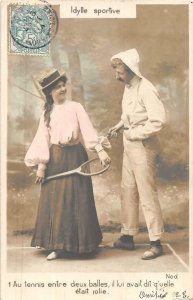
139, 186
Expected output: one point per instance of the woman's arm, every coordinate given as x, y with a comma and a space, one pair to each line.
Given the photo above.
90, 137
38, 152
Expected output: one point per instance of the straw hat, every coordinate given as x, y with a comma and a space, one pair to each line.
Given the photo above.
50, 78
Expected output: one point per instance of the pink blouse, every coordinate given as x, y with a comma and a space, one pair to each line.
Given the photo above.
69, 125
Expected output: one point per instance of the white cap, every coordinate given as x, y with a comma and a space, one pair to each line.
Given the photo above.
131, 59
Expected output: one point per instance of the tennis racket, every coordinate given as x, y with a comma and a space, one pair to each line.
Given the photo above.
91, 167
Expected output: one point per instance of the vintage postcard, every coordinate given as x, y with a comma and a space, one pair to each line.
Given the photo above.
96, 150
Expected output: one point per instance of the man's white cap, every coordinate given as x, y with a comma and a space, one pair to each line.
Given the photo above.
131, 59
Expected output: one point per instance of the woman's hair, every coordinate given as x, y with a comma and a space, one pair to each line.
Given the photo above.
49, 101
47, 109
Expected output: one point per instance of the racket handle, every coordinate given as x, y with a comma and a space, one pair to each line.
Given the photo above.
60, 175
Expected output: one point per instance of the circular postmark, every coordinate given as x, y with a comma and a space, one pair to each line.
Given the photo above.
33, 26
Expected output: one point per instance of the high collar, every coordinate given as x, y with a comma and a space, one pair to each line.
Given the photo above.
59, 105
134, 81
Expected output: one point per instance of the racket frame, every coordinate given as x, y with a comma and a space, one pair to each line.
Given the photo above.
78, 171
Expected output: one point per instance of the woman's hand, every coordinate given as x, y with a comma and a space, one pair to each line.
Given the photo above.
40, 176
104, 158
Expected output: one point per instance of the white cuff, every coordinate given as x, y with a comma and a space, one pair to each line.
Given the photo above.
98, 148
41, 167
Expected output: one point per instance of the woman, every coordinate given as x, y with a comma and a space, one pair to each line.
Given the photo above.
66, 218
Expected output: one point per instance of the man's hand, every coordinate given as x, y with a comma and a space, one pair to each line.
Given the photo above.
113, 131
40, 176
104, 158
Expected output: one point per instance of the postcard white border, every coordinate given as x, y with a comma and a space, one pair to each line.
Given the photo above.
58, 294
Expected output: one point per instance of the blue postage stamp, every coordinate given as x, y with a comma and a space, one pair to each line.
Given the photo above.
31, 29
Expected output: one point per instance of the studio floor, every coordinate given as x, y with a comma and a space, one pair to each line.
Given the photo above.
22, 258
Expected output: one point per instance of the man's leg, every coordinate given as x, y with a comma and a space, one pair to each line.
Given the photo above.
129, 206
144, 170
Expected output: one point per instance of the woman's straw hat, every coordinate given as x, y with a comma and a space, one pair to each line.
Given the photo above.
50, 78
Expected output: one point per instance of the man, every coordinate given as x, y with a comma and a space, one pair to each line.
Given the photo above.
143, 115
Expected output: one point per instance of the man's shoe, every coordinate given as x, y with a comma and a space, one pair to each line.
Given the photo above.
153, 252
125, 242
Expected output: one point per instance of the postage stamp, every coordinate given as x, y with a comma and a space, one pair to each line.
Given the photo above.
31, 29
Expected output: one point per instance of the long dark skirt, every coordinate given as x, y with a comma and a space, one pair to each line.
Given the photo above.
66, 217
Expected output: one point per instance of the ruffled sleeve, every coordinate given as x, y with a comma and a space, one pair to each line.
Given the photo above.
38, 152
88, 133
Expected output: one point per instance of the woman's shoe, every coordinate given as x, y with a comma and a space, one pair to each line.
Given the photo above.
53, 255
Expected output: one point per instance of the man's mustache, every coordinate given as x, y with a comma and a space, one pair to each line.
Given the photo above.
120, 79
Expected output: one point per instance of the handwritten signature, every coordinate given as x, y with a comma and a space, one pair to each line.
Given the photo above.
153, 295
180, 296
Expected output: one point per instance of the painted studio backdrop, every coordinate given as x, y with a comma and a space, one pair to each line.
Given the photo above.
83, 49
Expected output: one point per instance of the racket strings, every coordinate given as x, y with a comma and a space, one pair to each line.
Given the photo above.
92, 167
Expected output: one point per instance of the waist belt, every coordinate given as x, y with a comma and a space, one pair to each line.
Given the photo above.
65, 145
